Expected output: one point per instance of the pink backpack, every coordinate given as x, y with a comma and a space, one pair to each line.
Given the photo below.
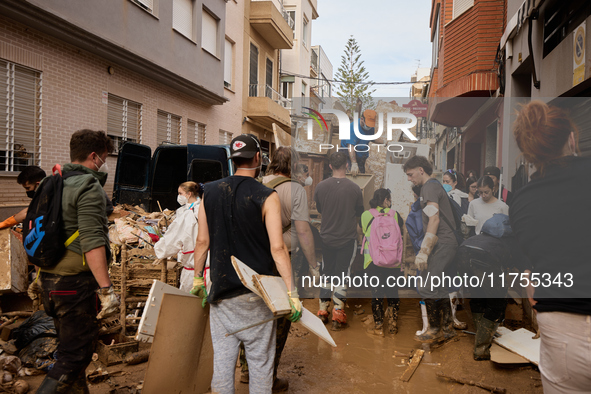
385, 239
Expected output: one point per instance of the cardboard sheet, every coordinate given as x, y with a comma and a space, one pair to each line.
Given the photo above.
501, 355
274, 293
521, 342
181, 359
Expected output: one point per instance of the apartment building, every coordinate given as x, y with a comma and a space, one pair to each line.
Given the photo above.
465, 36
149, 71
267, 29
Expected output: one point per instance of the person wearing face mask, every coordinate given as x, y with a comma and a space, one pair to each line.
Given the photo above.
70, 288
366, 126
29, 179
303, 175
483, 208
452, 183
180, 237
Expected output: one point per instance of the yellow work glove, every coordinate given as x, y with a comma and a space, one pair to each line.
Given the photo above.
34, 290
199, 290
296, 306
427, 246
11, 221
109, 302
354, 169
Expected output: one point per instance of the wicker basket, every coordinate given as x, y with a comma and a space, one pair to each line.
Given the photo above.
140, 277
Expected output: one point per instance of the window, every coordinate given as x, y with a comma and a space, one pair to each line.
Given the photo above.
124, 121
168, 128
147, 5
287, 89
253, 79
305, 33
20, 112
291, 21
461, 6
228, 64
198, 129
561, 19
269, 78
209, 33
225, 137
182, 17
435, 40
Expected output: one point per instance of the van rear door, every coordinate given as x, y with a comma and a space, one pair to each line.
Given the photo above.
207, 163
132, 180
169, 170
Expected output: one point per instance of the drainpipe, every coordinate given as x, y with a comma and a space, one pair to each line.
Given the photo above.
534, 16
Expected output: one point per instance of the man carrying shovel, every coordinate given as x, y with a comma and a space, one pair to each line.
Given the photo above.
241, 217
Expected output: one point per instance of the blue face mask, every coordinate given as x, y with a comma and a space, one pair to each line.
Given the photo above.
447, 187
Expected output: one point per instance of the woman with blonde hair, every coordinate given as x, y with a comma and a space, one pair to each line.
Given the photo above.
551, 223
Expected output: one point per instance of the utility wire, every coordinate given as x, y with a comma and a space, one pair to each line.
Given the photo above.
357, 83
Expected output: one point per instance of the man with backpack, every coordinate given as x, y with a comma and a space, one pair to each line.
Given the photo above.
438, 247
340, 202
29, 178
71, 285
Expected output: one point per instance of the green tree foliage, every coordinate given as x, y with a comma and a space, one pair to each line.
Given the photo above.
356, 83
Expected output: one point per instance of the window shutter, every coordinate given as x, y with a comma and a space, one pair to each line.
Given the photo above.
228, 64
209, 33
199, 131
115, 121
149, 4
254, 71
269, 78
162, 128
460, 6
182, 17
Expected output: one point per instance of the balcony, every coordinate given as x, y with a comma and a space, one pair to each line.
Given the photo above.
272, 22
314, 63
266, 106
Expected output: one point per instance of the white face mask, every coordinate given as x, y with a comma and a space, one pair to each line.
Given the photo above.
104, 167
308, 181
182, 200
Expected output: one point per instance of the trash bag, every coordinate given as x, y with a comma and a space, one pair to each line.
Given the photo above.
36, 326
39, 353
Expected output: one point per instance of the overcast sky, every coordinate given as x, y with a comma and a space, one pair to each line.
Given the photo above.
393, 36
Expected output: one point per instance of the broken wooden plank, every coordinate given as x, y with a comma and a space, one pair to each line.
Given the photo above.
181, 359
274, 292
521, 342
147, 326
492, 389
414, 364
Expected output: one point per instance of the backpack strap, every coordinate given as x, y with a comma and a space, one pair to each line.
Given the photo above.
273, 184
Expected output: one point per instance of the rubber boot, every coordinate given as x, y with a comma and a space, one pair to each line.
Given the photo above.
378, 329
377, 309
476, 317
280, 385
447, 321
454, 302
433, 333
392, 318
53, 386
323, 311
80, 386
484, 335
339, 319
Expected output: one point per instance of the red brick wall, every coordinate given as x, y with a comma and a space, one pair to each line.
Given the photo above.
73, 82
470, 41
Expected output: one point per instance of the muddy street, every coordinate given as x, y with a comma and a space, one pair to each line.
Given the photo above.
365, 363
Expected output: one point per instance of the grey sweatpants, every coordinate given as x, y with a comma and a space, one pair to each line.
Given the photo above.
259, 343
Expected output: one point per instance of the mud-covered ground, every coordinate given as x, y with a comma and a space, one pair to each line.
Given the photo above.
364, 363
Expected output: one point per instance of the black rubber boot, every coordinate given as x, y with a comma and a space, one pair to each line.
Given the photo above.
80, 386
377, 308
434, 333
485, 332
447, 319
392, 317
53, 386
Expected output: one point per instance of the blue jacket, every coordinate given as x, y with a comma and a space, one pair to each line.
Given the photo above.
355, 141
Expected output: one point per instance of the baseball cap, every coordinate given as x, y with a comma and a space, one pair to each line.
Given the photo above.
492, 170
245, 146
370, 117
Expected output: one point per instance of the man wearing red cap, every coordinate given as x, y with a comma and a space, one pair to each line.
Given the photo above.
365, 126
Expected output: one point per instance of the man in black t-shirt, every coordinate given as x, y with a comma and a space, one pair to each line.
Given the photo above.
438, 248
340, 202
241, 217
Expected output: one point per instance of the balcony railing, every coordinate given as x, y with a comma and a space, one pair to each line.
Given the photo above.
286, 16
267, 91
314, 61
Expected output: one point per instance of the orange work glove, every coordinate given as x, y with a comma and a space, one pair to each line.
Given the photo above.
11, 221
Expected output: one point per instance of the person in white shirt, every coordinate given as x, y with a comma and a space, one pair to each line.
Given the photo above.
483, 208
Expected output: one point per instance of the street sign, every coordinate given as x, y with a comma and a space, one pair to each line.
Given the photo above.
417, 108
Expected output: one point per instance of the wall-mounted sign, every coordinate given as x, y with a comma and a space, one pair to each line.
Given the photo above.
417, 108
579, 55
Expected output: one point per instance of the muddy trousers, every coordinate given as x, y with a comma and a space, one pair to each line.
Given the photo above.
73, 303
282, 332
493, 309
439, 263
336, 262
259, 343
